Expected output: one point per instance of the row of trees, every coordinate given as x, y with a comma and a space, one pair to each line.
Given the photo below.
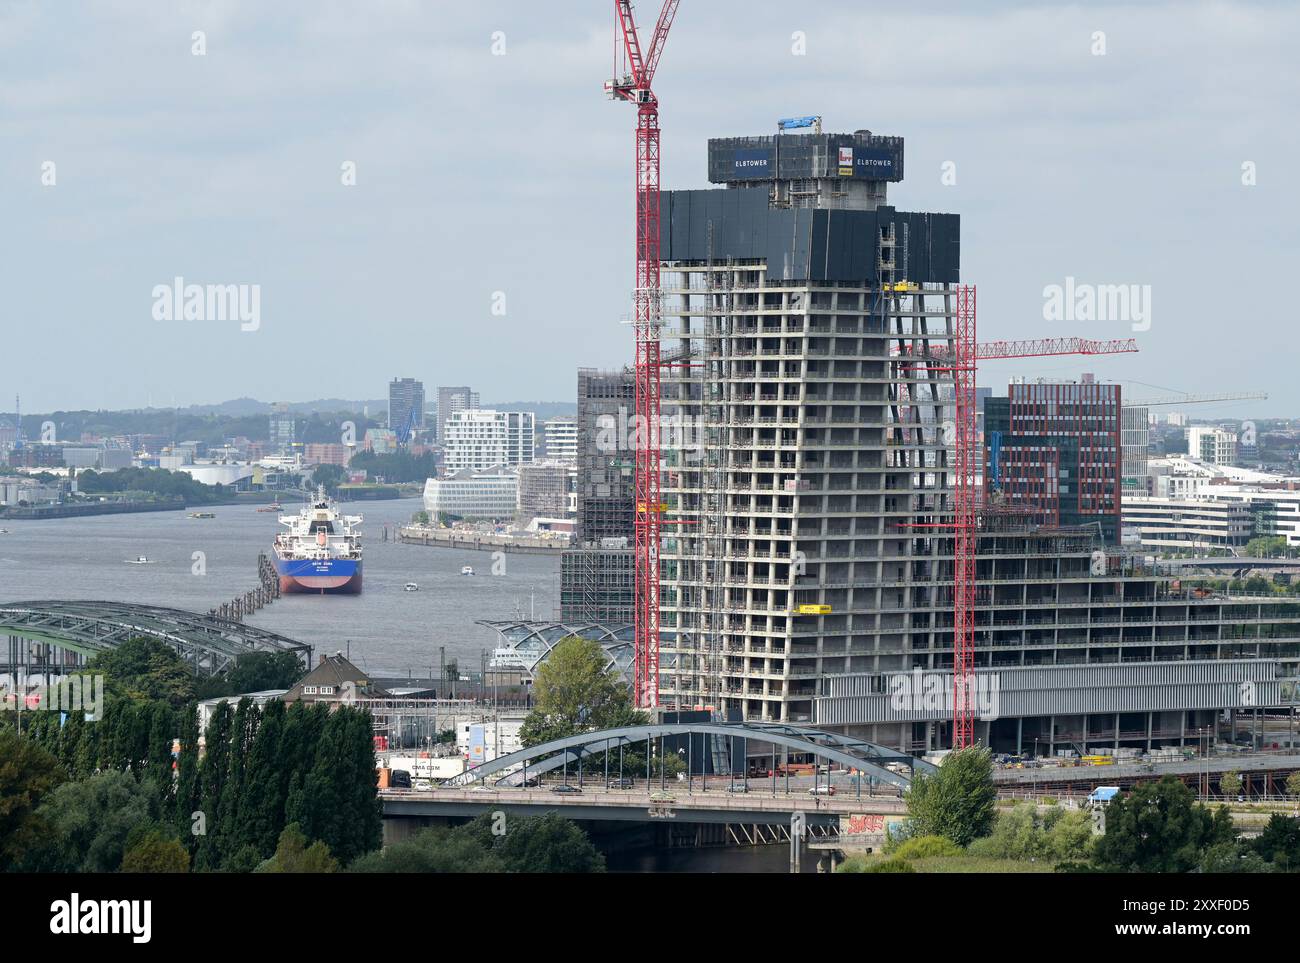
1158, 827
151, 481
81, 795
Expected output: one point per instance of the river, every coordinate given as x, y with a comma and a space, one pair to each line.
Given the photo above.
386, 629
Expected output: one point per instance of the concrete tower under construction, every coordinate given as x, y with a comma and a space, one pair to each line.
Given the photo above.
807, 572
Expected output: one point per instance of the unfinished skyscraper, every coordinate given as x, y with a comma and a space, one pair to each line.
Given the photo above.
792, 299
808, 554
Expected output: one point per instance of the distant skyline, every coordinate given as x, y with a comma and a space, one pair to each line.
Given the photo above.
491, 174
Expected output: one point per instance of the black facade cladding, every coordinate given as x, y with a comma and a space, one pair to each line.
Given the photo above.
861, 156
807, 244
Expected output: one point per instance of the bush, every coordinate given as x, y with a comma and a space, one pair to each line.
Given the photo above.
925, 847
874, 864
1026, 832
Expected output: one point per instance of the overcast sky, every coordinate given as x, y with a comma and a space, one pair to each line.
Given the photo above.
478, 172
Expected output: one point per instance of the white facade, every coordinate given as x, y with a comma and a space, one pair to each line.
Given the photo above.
1188, 524
1213, 445
478, 440
562, 439
493, 493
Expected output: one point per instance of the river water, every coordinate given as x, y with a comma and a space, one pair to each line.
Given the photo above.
386, 629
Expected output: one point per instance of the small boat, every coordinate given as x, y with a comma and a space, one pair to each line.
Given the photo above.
4, 531
273, 507
203, 515
410, 587
467, 570
139, 560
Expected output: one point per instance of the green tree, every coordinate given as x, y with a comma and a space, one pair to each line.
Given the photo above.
328, 475
254, 672
543, 844
153, 850
187, 799
1230, 783
1028, 832
242, 729
261, 811
434, 850
1160, 828
293, 855
90, 822
958, 801
1279, 843
213, 772
341, 803
576, 692
1293, 783
28, 774
144, 669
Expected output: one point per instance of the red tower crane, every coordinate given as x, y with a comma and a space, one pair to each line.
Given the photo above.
967, 467
632, 84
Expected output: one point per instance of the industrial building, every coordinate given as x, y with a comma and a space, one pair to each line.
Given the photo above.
807, 570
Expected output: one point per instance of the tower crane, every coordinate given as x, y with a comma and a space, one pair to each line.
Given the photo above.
961, 361
1199, 399
633, 84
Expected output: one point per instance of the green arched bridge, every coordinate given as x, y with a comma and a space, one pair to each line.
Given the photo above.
206, 643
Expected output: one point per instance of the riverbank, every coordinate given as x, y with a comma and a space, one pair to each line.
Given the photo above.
85, 509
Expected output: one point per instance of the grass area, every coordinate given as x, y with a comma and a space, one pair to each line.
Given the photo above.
978, 864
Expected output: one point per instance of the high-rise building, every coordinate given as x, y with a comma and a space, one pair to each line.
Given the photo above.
450, 401
405, 404
478, 439
807, 572
281, 431
1057, 452
596, 575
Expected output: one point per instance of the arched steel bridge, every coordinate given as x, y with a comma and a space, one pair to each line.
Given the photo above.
866, 757
206, 643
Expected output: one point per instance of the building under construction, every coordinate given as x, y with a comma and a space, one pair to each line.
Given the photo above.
807, 560
597, 574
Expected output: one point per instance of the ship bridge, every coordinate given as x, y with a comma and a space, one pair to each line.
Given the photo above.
57, 636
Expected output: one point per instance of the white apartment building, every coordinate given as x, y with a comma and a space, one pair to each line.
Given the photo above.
561, 439
480, 439
492, 493
1213, 445
1188, 524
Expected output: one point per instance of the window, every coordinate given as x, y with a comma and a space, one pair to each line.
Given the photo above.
309, 690
327, 690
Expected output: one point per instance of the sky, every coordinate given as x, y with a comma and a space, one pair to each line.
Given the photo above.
487, 238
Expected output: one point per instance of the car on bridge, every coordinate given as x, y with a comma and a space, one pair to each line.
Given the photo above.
565, 787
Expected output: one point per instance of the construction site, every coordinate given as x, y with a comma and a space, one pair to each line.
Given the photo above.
833, 523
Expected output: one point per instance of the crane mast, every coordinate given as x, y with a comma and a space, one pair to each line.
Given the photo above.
966, 352
633, 84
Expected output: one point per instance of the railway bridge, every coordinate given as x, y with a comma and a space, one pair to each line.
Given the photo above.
54, 637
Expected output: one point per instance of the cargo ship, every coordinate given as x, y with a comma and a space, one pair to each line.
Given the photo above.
321, 551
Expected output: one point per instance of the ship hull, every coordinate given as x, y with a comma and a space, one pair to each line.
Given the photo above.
319, 576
